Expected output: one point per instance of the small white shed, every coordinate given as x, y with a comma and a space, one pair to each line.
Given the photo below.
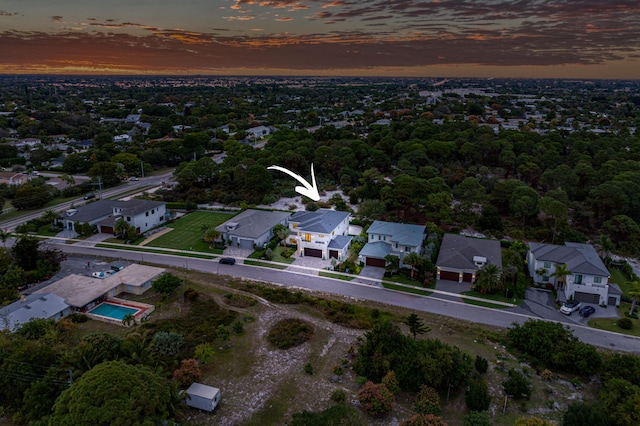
203, 397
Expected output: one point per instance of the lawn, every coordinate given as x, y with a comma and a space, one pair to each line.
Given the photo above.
611, 324
335, 276
403, 279
187, 231
276, 255
619, 277
406, 288
498, 297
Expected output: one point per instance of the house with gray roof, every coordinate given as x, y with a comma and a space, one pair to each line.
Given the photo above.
37, 305
588, 280
322, 233
252, 228
461, 257
142, 214
398, 239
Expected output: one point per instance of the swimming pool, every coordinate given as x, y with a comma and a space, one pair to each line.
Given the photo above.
111, 310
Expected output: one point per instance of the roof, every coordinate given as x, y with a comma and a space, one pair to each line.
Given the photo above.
376, 249
401, 233
103, 208
458, 251
79, 290
41, 305
253, 223
579, 258
340, 242
203, 391
319, 221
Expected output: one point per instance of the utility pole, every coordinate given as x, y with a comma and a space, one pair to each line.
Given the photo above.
100, 187
142, 167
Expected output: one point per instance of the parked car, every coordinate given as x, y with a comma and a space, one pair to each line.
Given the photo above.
90, 196
586, 311
133, 179
228, 261
570, 307
101, 274
117, 268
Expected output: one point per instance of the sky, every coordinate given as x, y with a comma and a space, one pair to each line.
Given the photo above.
413, 38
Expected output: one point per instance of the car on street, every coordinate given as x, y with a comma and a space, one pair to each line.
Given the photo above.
101, 274
133, 179
585, 311
570, 307
90, 196
227, 261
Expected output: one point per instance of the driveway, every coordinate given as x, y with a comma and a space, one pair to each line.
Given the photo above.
371, 272
237, 252
308, 264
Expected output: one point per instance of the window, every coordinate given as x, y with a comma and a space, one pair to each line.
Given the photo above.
128, 218
597, 280
407, 249
396, 245
295, 225
578, 279
321, 235
547, 265
545, 278
379, 237
146, 214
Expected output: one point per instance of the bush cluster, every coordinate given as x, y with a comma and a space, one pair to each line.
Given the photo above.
290, 332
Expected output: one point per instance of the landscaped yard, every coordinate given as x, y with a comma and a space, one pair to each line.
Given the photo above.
187, 232
611, 324
489, 297
619, 277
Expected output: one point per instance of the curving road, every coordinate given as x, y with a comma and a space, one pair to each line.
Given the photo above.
433, 304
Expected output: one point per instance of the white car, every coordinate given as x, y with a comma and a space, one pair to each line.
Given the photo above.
570, 307
101, 274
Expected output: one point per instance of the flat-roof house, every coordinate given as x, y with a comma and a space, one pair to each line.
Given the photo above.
142, 214
589, 278
461, 257
398, 239
317, 233
38, 305
252, 228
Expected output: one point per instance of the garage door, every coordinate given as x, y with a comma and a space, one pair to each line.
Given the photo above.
450, 276
312, 252
107, 229
333, 254
466, 277
374, 261
247, 244
586, 297
612, 301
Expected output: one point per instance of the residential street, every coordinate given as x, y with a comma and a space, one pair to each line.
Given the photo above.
300, 279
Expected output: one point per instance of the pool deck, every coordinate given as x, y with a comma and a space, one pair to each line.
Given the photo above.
144, 310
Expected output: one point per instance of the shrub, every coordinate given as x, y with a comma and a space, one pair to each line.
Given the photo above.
478, 418
289, 333
237, 327
339, 396
517, 385
625, 323
78, 318
308, 368
424, 420
391, 382
375, 399
428, 401
190, 295
546, 375
222, 332
204, 352
583, 413
167, 343
188, 372
481, 364
477, 397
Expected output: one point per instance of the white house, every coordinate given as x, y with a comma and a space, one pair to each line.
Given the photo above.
323, 233
258, 132
123, 138
38, 305
589, 279
252, 228
142, 214
391, 238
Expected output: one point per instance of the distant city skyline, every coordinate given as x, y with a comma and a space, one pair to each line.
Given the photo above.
440, 38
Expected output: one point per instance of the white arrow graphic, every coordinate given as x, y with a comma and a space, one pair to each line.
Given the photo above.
308, 190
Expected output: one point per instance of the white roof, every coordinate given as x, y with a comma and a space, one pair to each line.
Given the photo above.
203, 391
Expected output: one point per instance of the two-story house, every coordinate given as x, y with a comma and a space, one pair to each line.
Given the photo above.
142, 214
323, 233
588, 278
398, 239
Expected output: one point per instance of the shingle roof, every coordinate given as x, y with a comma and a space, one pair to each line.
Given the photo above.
377, 249
580, 258
103, 208
322, 221
401, 233
457, 251
253, 223
340, 242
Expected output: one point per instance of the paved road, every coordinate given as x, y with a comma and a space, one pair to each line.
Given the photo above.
301, 279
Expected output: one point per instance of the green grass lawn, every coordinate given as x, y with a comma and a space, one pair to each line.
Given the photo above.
187, 231
619, 277
276, 254
402, 279
264, 264
498, 297
406, 289
611, 324
335, 275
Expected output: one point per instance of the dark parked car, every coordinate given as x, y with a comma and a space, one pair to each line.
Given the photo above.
228, 261
586, 311
117, 268
90, 196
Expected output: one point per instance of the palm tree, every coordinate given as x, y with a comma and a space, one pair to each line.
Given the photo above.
488, 279
412, 259
49, 216
4, 235
392, 263
210, 236
128, 319
120, 227
633, 292
68, 179
561, 272
282, 232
